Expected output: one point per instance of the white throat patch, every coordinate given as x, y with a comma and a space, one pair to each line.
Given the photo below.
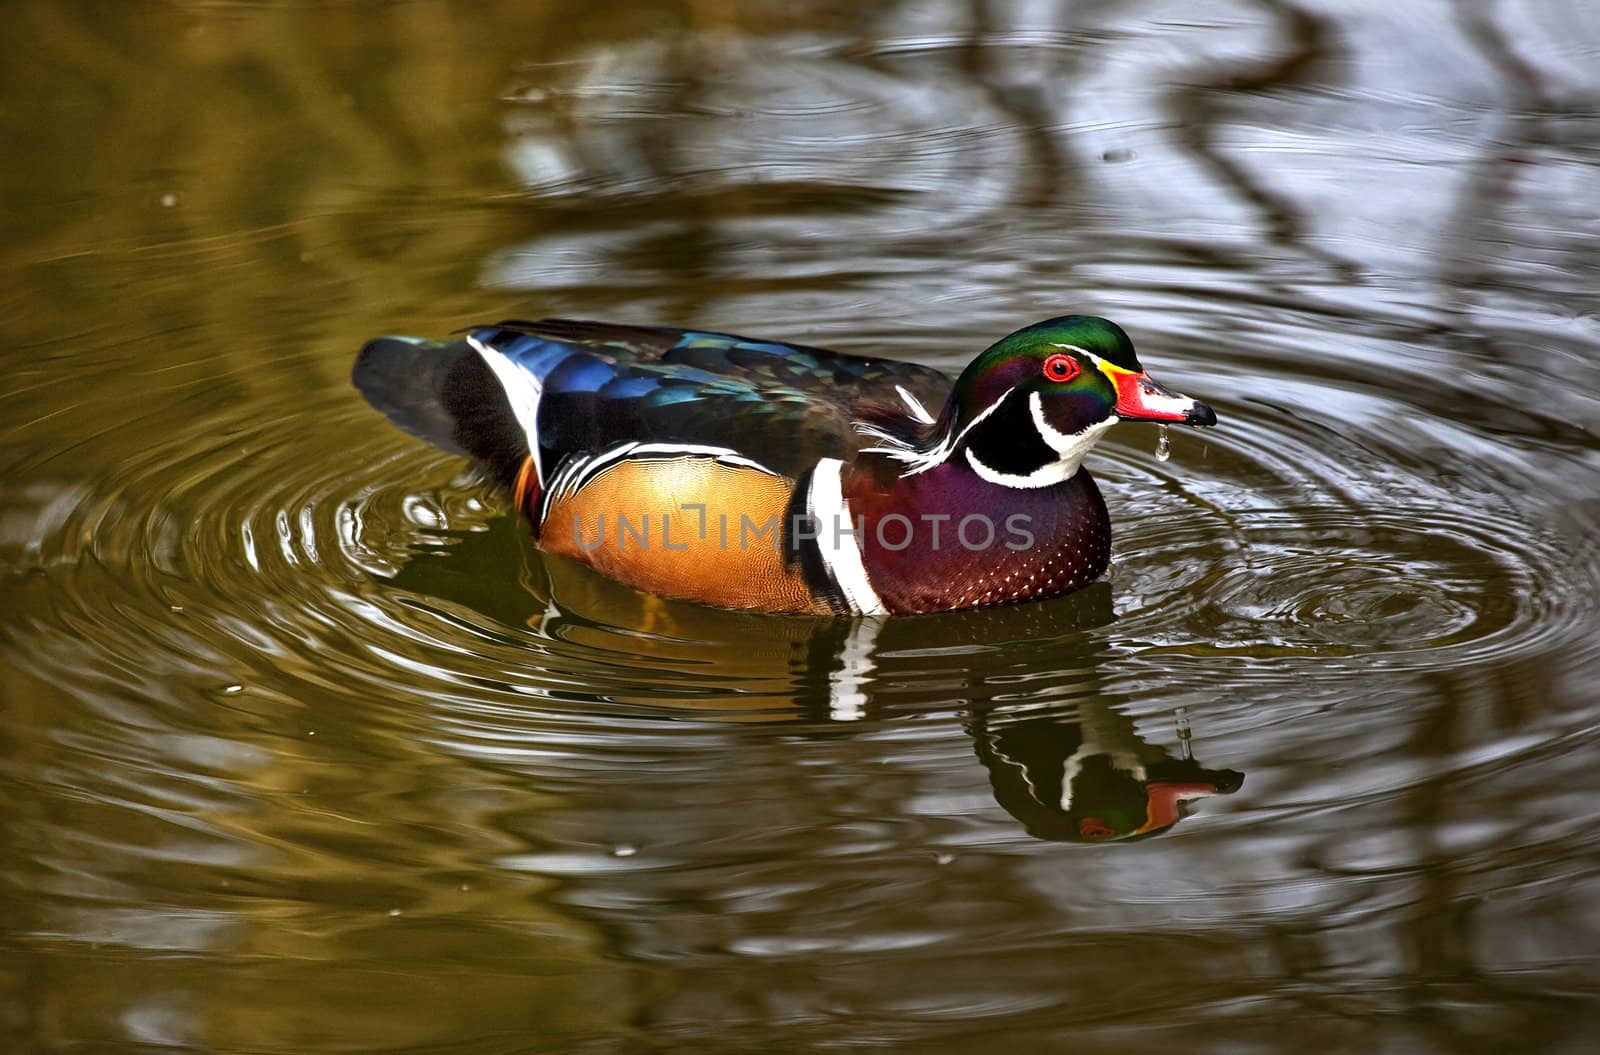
1069, 447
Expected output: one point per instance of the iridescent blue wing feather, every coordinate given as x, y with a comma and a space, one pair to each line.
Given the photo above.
781, 404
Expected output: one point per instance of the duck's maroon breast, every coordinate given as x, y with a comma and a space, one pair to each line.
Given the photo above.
947, 539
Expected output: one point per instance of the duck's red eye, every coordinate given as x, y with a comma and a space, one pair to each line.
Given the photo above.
1061, 367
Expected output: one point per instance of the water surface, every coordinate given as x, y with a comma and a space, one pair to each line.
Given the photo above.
306, 748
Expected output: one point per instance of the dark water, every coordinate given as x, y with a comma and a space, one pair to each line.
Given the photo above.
303, 748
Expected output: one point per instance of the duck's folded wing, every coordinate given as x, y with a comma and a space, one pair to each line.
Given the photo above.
561, 387
861, 386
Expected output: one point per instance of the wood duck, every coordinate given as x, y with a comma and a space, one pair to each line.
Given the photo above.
777, 477
1080, 772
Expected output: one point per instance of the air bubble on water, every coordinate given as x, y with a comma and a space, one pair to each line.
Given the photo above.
168, 200
1163, 443
624, 850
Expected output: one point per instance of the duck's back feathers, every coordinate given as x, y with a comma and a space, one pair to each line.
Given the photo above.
570, 387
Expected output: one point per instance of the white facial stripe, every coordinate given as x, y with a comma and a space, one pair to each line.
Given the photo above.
523, 391
841, 553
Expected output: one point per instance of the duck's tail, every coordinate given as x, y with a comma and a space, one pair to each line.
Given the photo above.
445, 393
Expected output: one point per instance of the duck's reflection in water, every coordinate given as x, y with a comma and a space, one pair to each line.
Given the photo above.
1063, 753
1081, 773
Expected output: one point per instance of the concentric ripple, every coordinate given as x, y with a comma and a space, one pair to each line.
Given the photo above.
1276, 542
399, 573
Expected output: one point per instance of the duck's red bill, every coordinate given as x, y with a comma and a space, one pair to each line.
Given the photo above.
1141, 398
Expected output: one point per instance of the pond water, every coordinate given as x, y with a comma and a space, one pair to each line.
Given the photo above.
304, 747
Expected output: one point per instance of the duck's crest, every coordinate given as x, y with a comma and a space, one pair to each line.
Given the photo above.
932, 447
916, 438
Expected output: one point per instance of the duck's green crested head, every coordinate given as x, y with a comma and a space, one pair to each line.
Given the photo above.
1029, 407
1086, 333
1059, 359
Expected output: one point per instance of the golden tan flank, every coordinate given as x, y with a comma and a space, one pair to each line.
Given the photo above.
639, 522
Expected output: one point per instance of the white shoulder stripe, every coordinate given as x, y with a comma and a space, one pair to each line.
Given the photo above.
523, 391
840, 552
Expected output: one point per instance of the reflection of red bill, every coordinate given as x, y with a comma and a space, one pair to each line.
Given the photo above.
1163, 800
